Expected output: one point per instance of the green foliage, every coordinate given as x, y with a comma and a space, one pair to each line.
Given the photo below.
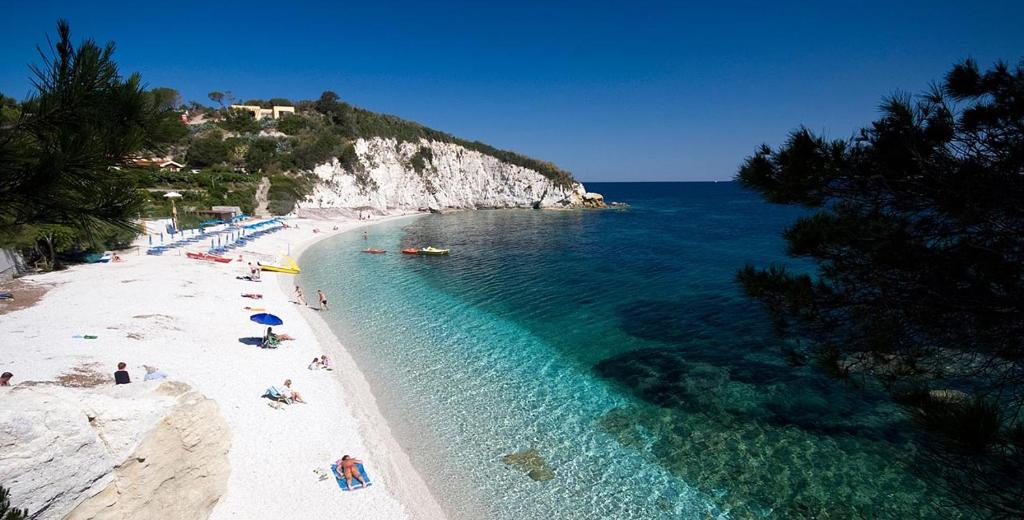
6, 511
260, 154
240, 121
918, 237
55, 160
285, 191
292, 124
309, 150
217, 97
421, 160
208, 151
9, 110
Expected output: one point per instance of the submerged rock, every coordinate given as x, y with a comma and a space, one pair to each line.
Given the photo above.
531, 463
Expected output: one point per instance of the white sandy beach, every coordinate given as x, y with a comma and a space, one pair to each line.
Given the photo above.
187, 317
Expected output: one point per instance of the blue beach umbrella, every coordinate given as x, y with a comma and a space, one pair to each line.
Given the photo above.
266, 319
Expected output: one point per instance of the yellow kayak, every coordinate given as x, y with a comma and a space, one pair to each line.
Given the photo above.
290, 267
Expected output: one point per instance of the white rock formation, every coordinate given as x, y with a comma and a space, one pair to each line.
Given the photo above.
130, 451
453, 177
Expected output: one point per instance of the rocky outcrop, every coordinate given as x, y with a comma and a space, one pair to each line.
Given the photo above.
132, 451
431, 175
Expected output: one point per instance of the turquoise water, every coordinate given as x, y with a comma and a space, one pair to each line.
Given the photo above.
618, 346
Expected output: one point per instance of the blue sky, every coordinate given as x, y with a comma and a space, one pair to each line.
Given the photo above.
611, 91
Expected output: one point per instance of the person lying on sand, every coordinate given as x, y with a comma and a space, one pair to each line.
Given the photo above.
346, 468
288, 393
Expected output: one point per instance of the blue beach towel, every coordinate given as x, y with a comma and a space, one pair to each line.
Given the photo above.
355, 483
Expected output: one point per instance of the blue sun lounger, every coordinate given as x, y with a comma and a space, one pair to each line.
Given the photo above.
355, 483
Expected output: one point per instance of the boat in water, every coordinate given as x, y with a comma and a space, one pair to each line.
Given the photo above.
287, 266
424, 251
433, 251
374, 251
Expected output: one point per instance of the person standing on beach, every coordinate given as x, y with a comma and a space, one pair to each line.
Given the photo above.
121, 376
323, 299
299, 298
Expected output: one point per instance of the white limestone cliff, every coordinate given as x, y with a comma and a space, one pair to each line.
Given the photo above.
451, 177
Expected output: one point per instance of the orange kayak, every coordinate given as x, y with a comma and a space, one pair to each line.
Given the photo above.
411, 251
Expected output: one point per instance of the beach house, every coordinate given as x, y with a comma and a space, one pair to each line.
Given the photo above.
259, 112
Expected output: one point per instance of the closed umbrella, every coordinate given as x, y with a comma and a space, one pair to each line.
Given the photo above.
266, 319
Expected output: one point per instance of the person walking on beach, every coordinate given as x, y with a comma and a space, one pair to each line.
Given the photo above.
346, 468
121, 376
323, 299
299, 298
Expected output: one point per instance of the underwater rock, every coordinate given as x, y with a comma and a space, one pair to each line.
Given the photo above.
531, 463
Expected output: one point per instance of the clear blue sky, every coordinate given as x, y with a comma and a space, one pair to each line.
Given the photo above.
617, 91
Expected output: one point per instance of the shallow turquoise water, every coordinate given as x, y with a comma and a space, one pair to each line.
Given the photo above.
617, 345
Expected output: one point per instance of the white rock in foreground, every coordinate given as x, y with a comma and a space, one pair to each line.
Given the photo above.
453, 177
130, 451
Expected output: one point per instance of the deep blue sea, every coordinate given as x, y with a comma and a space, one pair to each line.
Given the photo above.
618, 345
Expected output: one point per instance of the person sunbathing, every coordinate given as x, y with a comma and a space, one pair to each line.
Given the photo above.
275, 337
326, 363
288, 393
346, 468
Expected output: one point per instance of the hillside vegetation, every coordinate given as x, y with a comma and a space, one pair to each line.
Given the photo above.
287, 149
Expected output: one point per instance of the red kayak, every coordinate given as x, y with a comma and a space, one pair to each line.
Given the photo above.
374, 251
207, 257
411, 251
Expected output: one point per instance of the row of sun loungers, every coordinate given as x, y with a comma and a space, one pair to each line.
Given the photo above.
253, 231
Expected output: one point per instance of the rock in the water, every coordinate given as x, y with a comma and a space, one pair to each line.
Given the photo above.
531, 463
130, 451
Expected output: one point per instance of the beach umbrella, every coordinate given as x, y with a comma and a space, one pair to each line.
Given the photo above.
174, 209
266, 319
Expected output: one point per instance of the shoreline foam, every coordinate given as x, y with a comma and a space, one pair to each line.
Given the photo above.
405, 481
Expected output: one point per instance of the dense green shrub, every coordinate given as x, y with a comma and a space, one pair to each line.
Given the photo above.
241, 121
207, 151
285, 191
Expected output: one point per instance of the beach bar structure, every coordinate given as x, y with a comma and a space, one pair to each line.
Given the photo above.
224, 213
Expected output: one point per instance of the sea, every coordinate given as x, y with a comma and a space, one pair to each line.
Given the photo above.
606, 364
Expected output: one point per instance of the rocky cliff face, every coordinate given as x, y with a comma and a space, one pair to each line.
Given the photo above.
431, 175
131, 451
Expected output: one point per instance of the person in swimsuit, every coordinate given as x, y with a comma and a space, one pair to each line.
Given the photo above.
347, 469
291, 394
299, 298
323, 299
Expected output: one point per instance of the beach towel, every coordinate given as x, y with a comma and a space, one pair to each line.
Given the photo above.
355, 483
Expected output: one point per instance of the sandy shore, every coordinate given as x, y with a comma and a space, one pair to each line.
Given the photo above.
188, 318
